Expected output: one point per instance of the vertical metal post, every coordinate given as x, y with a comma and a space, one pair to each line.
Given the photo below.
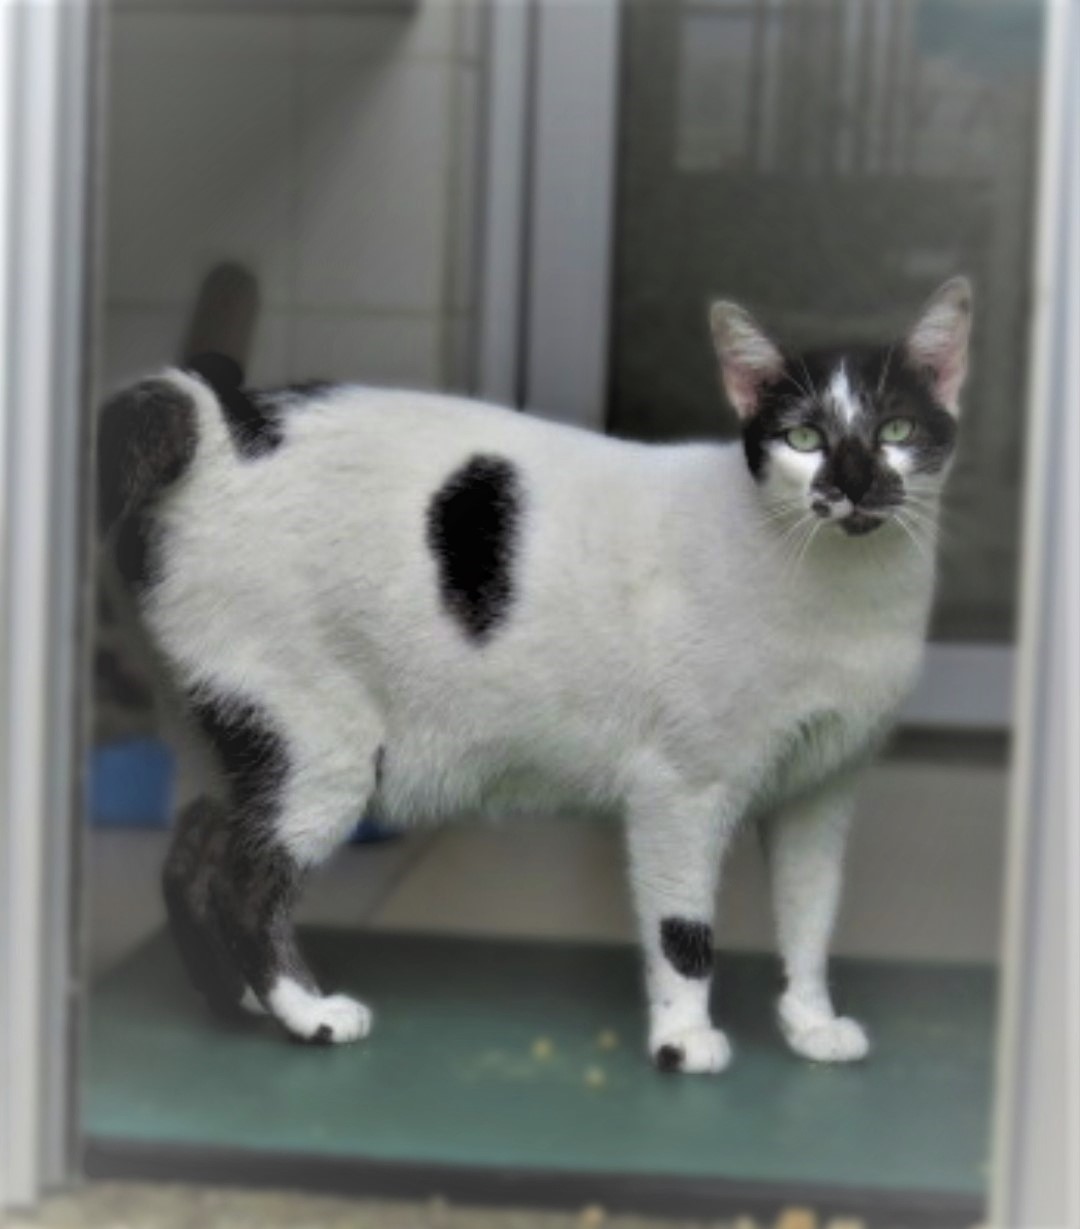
1036, 1177
44, 62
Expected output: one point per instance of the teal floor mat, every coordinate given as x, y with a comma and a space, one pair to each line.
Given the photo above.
527, 1058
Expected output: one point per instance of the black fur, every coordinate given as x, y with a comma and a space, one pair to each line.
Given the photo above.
258, 880
134, 550
252, 753
688, 946
253, 422
188, 880
669, 1059
147, 436
472, 531
884, 381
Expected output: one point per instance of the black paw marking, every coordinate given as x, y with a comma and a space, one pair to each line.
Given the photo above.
322, 1035
669, 1059
472, 530
688, 946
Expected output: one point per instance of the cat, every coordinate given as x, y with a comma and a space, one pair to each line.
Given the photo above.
420, 606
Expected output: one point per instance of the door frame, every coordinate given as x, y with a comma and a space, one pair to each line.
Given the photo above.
45, 126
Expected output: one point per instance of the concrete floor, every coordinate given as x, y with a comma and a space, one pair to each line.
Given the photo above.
130, 1206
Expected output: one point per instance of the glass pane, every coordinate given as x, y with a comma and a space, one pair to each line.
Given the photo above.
828, 165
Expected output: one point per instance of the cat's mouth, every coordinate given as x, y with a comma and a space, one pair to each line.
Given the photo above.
857, 524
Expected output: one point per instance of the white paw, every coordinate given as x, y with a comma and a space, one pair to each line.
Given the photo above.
693, 1051
834, 1040
331, 1019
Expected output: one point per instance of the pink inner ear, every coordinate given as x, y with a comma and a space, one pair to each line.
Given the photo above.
742, 384
942, 353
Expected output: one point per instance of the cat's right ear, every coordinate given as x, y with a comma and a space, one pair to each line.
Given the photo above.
748, 359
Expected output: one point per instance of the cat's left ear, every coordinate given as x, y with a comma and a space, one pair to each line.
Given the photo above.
748, 359
938, 341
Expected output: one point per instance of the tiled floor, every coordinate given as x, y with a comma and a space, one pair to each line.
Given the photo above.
923, 881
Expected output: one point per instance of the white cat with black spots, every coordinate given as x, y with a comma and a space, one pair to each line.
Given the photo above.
430, 606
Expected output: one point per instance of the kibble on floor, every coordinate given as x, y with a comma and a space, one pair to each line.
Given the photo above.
115, 1205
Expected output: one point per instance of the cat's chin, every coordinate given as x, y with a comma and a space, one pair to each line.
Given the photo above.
859, 524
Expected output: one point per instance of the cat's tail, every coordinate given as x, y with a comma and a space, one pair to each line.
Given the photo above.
148, 433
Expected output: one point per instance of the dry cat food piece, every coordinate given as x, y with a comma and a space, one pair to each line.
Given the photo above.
608, 1039
595, 1077
592, 1216
797, 1218
542, 1049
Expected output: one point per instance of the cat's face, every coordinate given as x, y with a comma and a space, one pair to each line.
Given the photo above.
853, 437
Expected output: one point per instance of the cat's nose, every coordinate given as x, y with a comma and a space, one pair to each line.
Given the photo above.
854, 472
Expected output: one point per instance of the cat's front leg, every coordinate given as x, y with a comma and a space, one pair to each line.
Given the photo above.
805, 842
676, 842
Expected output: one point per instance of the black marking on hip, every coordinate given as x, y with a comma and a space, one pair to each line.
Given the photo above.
669, 1059
688, 946
135, 551
253, 421
252, 753
473, 527
146, 439
379, 765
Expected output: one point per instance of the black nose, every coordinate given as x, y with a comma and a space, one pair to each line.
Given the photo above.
853, 471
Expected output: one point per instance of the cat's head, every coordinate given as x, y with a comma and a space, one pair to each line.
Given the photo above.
849, 435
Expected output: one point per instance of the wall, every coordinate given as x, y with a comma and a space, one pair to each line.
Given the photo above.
333, 155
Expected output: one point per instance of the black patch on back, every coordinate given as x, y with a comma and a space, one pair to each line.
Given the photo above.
253, 422
146, 439
253, 755
687, 945
472, 530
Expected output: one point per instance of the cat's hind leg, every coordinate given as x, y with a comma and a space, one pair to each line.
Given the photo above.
191, 865
296, 793
805, 842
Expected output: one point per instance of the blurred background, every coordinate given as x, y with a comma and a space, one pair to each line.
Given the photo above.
534, 202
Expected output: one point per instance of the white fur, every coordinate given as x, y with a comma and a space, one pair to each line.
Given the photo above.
662, 658
304, 1013
843, 396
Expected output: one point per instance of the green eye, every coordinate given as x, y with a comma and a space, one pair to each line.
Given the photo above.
805, 439
896, 431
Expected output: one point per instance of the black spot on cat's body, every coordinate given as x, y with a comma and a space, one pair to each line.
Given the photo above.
688, 946
473, 526
380, 766
254, 424
147, 436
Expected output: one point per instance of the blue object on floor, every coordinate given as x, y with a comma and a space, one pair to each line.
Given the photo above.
131, 784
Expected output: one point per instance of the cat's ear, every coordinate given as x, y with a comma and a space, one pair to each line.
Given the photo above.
937, 343
748, 359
